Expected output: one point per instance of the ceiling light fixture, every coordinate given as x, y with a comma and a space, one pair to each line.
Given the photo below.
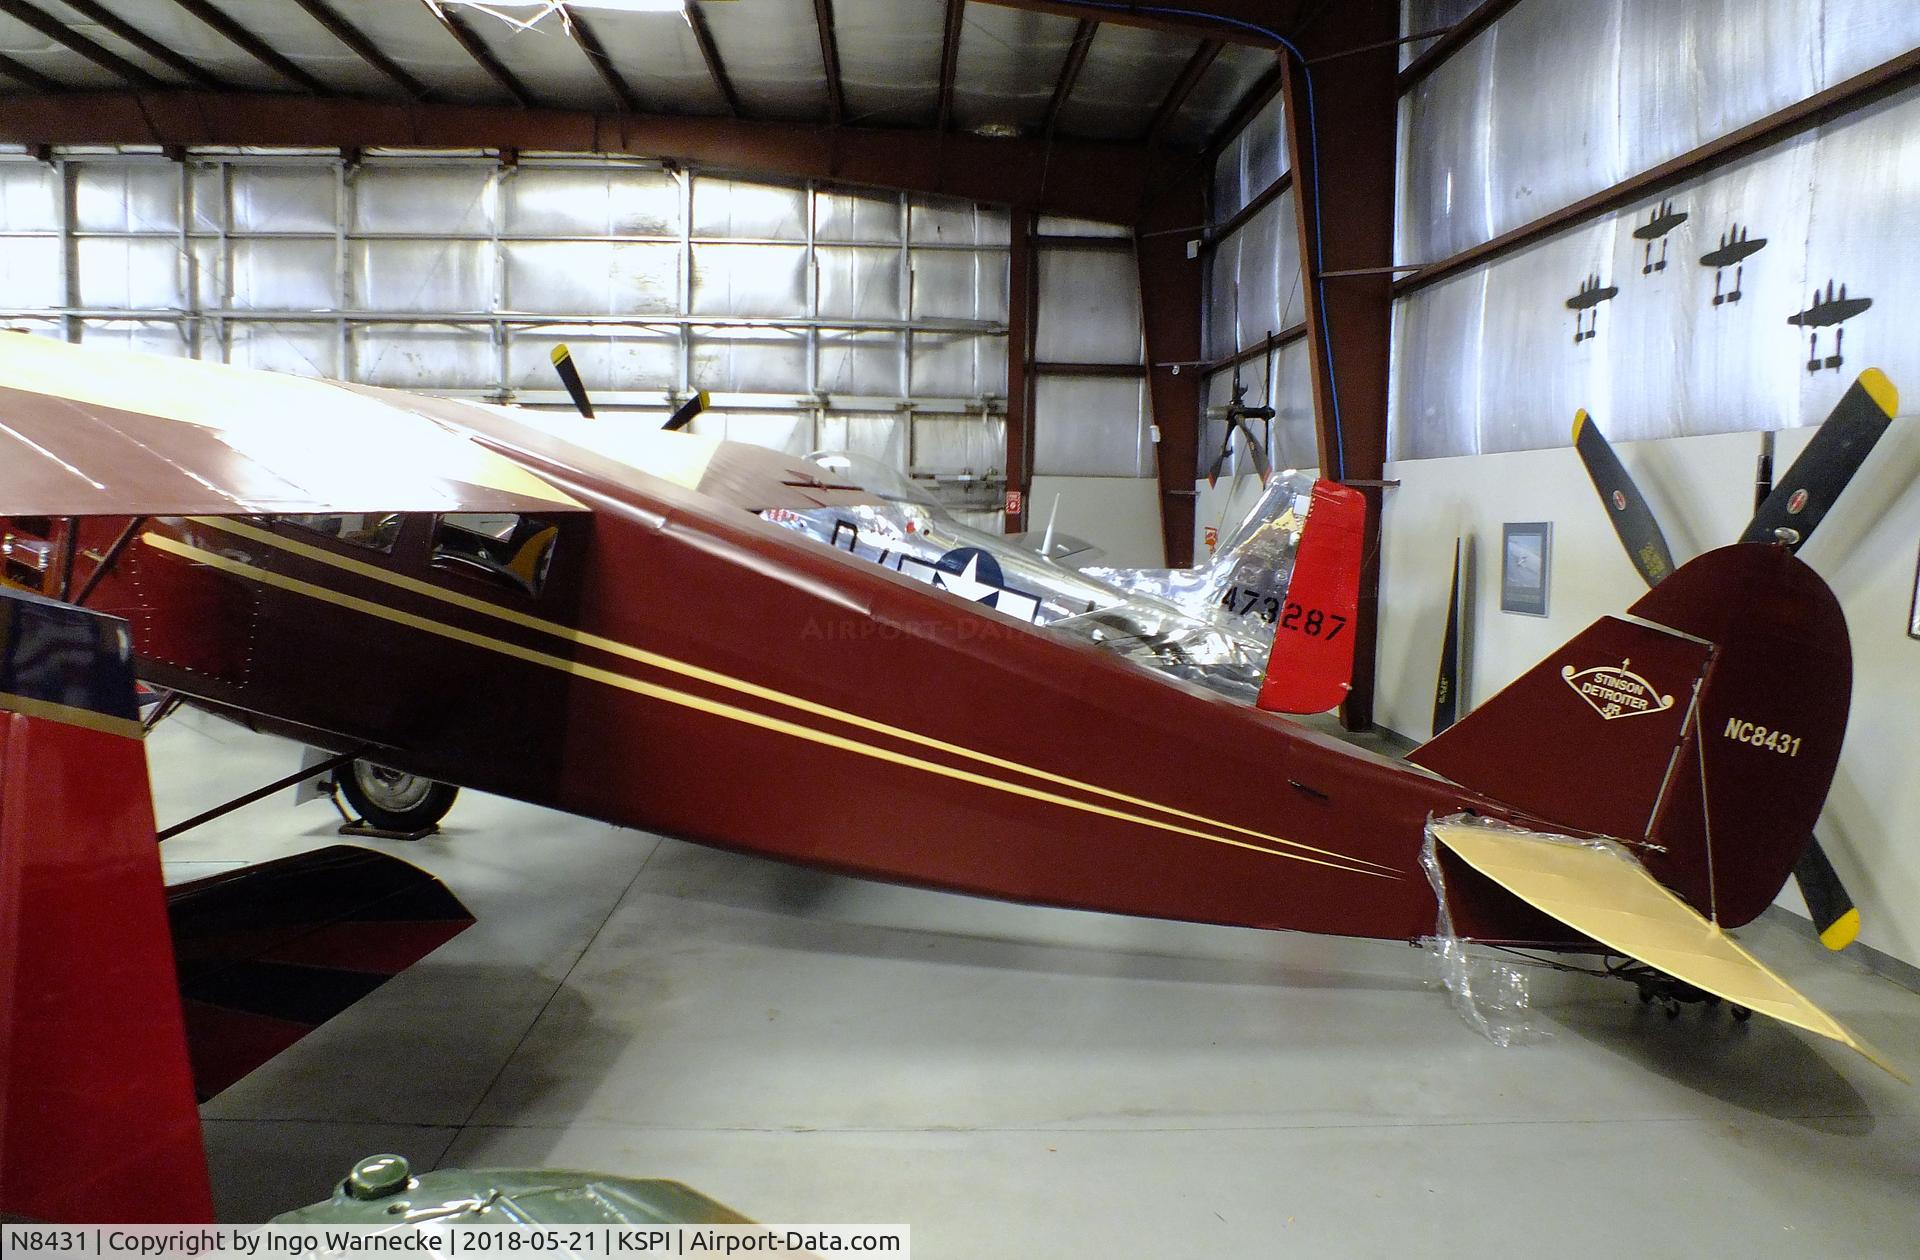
514, 12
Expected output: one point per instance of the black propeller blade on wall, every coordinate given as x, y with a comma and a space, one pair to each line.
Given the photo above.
1446, 689
570, 377
1787, 513
1626, 507
683, 417
1801, 499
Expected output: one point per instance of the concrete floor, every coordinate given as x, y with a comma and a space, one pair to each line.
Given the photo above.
1023, 1082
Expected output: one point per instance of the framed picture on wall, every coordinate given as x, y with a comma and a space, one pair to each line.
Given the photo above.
1526, 555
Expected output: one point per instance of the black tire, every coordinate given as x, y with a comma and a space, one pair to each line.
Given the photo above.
393, 801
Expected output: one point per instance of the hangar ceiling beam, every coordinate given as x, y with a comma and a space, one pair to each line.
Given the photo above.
1182, 88
251, 44
109, 20
471, 45
710, 53
1077, 178
1070, 67
596, 55
1170, 286
1342, 154
1206, 19
830, 60
362, 47
1264, 89
57, 31
28, 75
1023, 301
950, 58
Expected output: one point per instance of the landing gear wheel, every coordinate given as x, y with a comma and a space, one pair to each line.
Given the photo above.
394, 801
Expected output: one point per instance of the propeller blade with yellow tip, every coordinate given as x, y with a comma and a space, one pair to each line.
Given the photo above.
1802, 497
570, 377
1626, 507
688, 410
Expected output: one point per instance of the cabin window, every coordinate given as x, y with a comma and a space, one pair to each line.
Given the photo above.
513, 551
376, 531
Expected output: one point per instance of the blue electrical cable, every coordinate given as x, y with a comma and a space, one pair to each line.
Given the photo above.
1313, 132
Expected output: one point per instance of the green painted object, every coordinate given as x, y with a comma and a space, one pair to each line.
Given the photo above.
382, 1190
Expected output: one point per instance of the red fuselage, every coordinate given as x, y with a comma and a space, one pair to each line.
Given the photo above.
691, 670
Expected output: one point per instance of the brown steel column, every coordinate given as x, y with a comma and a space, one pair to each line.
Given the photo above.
1170, 285
1350, 318
1022, 302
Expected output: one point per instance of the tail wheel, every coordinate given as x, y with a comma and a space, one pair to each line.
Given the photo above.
393, 800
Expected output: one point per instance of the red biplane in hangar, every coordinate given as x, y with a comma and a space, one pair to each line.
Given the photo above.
622, 623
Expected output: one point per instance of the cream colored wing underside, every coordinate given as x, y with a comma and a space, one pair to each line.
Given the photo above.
1601, 891
85, 431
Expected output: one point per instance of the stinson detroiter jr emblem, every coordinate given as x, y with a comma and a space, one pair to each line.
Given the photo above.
1616, 693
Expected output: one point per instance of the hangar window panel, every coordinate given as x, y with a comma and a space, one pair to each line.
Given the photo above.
1444, 204
592, 277
422, 275
850, 216
955, 284
959, 445
877, 435
624, 361
283, 198
1429, 15
858, 283
303, 349
733, 209
957, 365
281, 275
126, 198
860, 363
125, 273
29, 197
454, 198
422, 356
1434, 407
142, 335
749, 360
787, 431
1857, 35
749, 280
1089, 306
589, 201
451, 273
1090, 427
30, 273
938, 221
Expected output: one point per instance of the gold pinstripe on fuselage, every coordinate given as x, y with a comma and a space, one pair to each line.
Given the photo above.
1297, 851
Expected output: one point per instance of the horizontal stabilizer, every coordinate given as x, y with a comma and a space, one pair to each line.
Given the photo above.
1597, 888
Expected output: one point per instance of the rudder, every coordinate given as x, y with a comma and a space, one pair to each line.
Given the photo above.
1707, 729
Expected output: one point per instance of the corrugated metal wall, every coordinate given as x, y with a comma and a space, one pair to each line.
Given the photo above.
1560, 99
818, 317
1254, 290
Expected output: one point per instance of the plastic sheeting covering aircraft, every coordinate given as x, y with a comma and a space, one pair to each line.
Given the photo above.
629, 625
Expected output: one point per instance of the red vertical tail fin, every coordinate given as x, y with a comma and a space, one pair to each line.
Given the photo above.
1310, 668
97, 1115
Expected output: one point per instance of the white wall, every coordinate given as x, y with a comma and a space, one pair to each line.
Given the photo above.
1702, 491
1121, 515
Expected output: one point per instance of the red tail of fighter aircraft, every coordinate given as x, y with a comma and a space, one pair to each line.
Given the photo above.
598, 619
